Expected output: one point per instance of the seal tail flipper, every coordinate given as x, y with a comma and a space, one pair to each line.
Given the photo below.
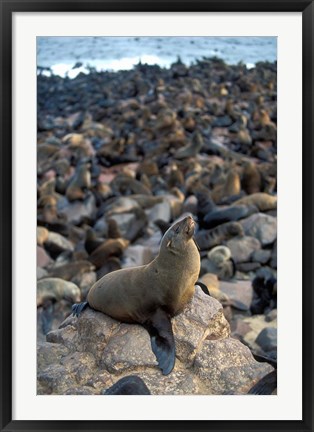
162, 340
77, 308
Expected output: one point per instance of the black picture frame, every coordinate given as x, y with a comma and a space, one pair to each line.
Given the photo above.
8, 7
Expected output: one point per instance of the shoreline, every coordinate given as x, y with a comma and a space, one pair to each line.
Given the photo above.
72, 70
122, 53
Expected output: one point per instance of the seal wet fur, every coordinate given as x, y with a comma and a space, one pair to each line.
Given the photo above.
151, 294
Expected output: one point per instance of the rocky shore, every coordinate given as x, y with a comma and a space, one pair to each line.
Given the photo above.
120, 156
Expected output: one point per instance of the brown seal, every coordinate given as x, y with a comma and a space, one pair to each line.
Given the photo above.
251, 178
261, 200
168, 281
206, 239
80, 181
153, 293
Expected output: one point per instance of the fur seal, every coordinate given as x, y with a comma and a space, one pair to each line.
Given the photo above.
266, 386
230, 214
231, 186
207, 239
56, 289
251, 178
261, 200
108, 248
79, 183
264, 294
151, 294
129, 385
219, 261
192, 149
71, 270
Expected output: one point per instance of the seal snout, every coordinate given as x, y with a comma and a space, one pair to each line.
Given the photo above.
189, 225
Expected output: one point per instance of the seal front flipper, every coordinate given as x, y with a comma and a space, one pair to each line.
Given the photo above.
129, 385
162, 340
77, 308
203, 287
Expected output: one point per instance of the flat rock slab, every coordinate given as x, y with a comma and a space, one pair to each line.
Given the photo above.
227, 366
88, 354
240, 293
43, 259
261, 226
242, 248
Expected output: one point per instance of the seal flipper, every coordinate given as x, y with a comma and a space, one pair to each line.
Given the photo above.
77, 308
162, 340
129, 385
203, 287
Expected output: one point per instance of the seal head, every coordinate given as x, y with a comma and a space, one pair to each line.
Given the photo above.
176, 237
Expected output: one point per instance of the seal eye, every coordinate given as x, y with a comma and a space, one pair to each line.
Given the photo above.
177, 229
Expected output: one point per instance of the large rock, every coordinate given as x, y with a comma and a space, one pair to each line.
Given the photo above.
130, 225
242, 248
257, 324
267, 339
94, 351
239, 293
227, 366
261, 226
261, 256
43, 259
160, 211
137, 255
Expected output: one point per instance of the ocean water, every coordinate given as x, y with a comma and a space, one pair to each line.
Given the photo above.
68, 56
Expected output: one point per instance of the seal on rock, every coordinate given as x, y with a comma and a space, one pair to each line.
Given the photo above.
151, 294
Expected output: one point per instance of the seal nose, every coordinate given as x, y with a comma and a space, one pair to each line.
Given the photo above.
189, 225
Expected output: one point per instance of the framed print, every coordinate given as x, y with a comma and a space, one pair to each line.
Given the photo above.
156, 203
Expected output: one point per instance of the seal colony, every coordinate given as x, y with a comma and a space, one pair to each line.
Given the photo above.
151, 294
121, 156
